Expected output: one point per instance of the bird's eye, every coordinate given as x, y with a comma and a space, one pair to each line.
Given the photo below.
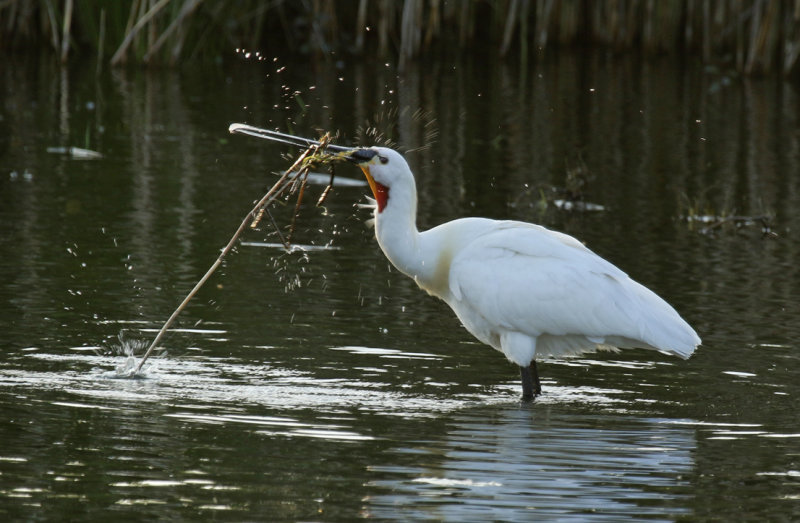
384, 160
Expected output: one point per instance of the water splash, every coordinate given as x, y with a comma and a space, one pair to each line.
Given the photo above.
128, 347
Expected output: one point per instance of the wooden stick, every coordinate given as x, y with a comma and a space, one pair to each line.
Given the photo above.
276, 191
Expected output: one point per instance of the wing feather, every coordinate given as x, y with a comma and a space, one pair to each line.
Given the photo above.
525, 278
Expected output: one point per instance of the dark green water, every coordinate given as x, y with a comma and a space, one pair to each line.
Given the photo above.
325, 386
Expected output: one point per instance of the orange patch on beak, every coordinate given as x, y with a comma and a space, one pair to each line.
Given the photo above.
379, 191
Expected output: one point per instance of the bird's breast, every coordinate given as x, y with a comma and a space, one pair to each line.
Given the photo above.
435, 277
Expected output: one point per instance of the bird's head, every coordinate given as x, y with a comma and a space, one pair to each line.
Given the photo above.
383, 168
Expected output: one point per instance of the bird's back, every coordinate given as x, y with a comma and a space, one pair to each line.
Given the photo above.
514, 277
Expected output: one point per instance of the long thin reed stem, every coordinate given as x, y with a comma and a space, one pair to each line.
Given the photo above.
67, 30
140, 23
287, 182
751, 36
275, 192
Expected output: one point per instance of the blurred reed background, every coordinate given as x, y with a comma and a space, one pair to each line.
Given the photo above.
750, 36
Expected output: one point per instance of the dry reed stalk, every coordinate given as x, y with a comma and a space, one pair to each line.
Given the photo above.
51, 16
361, 25
295, 176
101, 38
410, 31
67, 30
542, 30
119, 56
755, 26
186, 9
131, 17
759, 35
791, 45
434, 24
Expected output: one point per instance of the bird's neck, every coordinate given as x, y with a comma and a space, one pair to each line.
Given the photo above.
397, 234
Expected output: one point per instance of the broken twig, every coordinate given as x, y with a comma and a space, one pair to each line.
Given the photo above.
315, 154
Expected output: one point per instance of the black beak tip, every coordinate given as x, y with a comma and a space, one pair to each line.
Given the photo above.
361, 155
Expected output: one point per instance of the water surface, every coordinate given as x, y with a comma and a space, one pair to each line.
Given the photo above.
322, 385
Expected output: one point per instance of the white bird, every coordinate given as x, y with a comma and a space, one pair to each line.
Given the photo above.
527, 291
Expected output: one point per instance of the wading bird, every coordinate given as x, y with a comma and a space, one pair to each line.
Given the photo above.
523, 289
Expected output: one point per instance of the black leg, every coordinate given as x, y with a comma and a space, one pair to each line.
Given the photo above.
537, 385
531, 386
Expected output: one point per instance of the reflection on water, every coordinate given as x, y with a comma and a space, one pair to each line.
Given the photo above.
200, 423
318, 384
476, 455
523, 465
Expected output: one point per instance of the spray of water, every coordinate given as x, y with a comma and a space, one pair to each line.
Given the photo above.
127, 348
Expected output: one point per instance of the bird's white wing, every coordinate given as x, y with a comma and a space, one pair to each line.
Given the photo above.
527, 279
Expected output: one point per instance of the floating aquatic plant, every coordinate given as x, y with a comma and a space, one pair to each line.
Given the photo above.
701, 216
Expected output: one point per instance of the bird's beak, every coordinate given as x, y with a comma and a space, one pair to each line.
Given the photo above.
275, 136
363, 158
